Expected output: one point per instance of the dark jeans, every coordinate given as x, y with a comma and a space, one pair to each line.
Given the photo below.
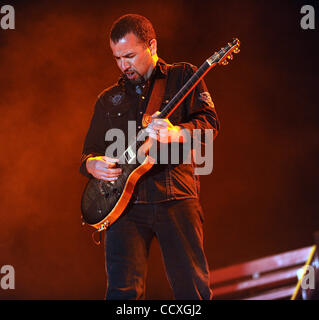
178, 226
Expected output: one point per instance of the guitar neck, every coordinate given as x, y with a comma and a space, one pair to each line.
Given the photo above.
216, 58
187, 88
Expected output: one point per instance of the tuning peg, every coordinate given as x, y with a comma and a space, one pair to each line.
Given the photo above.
230, 57
225, 62
236, 50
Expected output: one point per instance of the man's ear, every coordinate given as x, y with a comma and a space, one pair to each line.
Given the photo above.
153, 46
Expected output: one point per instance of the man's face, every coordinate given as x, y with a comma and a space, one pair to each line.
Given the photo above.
133, 57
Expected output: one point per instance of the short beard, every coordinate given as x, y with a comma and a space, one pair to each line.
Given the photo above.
139, 80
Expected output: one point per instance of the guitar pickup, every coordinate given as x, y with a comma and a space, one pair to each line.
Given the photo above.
129, 155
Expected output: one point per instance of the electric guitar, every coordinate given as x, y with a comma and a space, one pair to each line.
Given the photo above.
103, 202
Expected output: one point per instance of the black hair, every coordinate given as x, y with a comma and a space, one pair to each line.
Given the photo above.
134, 23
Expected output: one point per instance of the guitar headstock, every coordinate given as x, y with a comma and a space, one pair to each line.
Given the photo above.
225, 53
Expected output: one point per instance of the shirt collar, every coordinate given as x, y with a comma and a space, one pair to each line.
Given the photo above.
162, 67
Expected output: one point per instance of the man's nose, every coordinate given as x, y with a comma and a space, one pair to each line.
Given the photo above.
125, 65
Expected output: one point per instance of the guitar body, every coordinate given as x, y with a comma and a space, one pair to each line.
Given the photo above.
103, 201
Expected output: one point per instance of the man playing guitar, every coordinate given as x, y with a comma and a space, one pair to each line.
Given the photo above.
165, 203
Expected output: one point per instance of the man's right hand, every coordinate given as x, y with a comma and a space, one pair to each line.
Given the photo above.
103, 168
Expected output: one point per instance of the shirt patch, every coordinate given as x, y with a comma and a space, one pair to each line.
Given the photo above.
205, 97
116, 99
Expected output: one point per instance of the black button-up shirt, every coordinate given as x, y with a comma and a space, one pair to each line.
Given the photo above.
125, 101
